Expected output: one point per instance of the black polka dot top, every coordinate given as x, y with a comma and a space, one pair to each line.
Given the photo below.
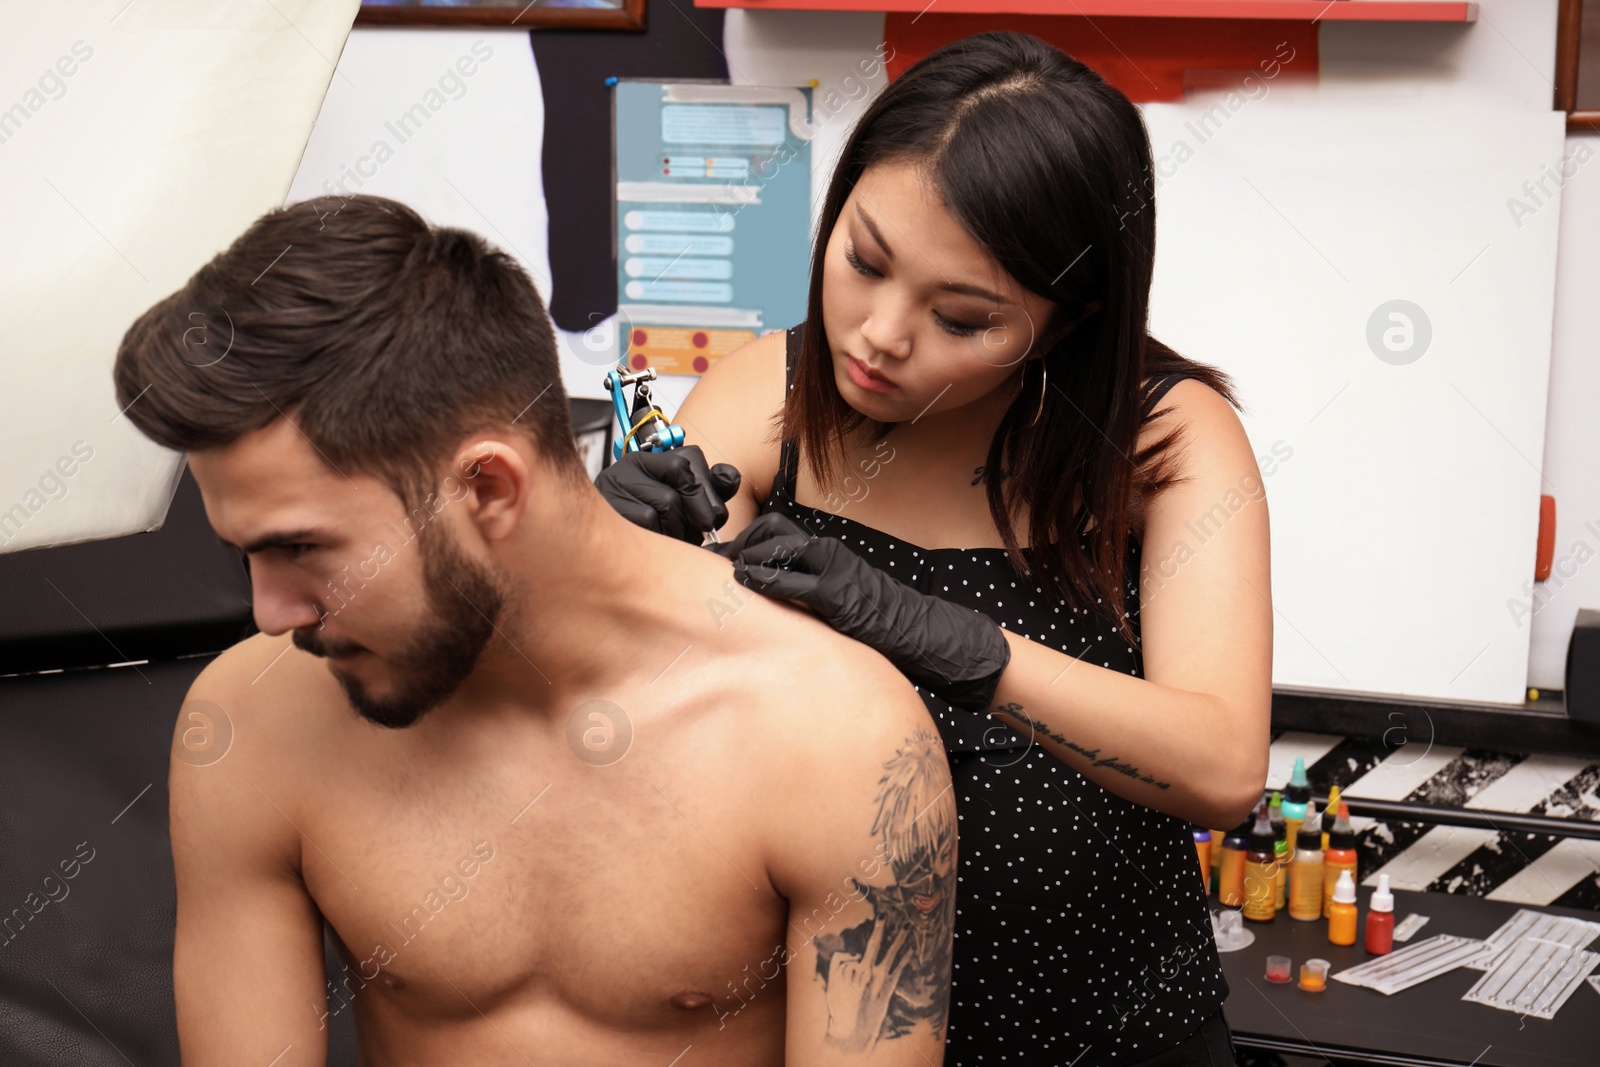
1082, 930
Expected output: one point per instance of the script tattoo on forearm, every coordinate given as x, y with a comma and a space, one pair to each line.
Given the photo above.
885, 975
1093, 754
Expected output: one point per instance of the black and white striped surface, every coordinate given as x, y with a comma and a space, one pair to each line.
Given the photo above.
1520, 868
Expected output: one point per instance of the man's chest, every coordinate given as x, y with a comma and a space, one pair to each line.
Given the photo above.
602, 890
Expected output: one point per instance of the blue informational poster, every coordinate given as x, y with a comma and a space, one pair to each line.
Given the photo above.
713, 218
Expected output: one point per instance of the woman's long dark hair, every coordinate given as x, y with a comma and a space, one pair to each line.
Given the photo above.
1049, 168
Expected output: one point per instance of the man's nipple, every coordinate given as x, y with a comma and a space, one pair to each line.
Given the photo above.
691, 1001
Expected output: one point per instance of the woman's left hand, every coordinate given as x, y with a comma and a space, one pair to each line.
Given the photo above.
958, 653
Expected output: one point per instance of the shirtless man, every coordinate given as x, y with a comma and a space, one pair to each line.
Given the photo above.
562, 790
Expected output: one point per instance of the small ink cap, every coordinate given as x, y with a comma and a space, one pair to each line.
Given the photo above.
1299, 790
1382, 899
1342, 834
1261, 835
1311, 829
1298, 775
1344, 891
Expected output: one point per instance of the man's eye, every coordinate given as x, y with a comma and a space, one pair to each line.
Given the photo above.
296, 549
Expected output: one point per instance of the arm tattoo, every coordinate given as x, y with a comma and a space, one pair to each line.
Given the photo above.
885, 975
1093, 754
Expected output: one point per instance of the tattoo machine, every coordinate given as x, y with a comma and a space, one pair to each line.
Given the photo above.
644, 426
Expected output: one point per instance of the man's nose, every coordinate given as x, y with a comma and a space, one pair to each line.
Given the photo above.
278, 608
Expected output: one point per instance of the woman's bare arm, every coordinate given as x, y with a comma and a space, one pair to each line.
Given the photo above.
1191, 738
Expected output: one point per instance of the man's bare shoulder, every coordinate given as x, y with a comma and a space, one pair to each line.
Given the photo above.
244, 660
847, 783
265, 697
233, 781
816, 688
843, 686
778, 649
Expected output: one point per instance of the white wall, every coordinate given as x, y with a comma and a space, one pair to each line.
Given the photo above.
1509, 55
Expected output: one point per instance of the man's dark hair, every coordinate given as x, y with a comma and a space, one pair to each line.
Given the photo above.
386, 339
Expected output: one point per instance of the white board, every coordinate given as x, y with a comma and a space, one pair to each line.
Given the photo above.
136, 141
1405, 517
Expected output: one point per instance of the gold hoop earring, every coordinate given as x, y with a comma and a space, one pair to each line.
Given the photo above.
1044, 378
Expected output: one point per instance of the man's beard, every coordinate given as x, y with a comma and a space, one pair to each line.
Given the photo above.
464, 601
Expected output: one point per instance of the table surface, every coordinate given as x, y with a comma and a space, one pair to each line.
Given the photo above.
1428, 1023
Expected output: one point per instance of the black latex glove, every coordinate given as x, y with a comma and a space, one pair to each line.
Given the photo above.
670, 492
955, 652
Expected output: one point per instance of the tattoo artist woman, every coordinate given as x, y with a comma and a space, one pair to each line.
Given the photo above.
989, 498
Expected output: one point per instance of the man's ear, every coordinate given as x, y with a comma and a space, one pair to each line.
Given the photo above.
493, 480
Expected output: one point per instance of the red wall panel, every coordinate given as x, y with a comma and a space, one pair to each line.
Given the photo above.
1148, 59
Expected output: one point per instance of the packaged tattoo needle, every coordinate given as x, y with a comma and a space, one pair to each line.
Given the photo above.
1561, 929
1413, 964
1533, 977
